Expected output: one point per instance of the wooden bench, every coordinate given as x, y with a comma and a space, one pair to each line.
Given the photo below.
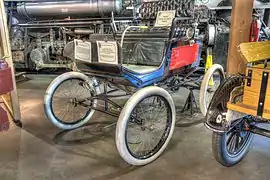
256, 93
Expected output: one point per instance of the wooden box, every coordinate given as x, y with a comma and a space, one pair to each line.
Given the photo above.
6, 84
256, 95
257, 91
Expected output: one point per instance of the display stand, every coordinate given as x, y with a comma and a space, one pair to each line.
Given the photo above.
190, 103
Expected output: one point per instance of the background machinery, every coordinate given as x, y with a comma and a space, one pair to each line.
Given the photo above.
43, 32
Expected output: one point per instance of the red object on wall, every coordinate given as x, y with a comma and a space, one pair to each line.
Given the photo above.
254, 31
6, 84
4, 122
183, 56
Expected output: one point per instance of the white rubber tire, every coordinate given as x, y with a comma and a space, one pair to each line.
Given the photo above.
48, 98
204, 85
124, 118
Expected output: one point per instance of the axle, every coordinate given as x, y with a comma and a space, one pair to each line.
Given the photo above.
259, 131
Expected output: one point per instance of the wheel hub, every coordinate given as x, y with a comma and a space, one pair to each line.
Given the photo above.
243, 133
219, 119
211, 90
73, 101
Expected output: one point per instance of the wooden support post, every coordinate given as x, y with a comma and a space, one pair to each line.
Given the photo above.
239, 32
6, 53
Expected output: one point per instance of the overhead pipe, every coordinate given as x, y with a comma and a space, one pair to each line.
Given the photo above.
59, 24
78, 20
85, 8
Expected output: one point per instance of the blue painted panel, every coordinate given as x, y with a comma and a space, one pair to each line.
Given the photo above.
142, 80
198, 60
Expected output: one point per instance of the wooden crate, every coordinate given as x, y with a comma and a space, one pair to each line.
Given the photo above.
256, 98
256, 101
250, 110
257, 92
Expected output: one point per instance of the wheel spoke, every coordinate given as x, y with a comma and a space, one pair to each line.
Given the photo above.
139, 147
73, 113
230, 136
142, 112
234, 141
232, 144
237, 142
70, 89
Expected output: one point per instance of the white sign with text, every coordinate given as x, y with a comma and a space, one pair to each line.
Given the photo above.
107, 52
82, 50
164, 18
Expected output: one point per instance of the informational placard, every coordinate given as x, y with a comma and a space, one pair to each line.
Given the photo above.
164, 18
82, 50
107, 52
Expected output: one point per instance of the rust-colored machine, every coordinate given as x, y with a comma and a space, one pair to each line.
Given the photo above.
240, 104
